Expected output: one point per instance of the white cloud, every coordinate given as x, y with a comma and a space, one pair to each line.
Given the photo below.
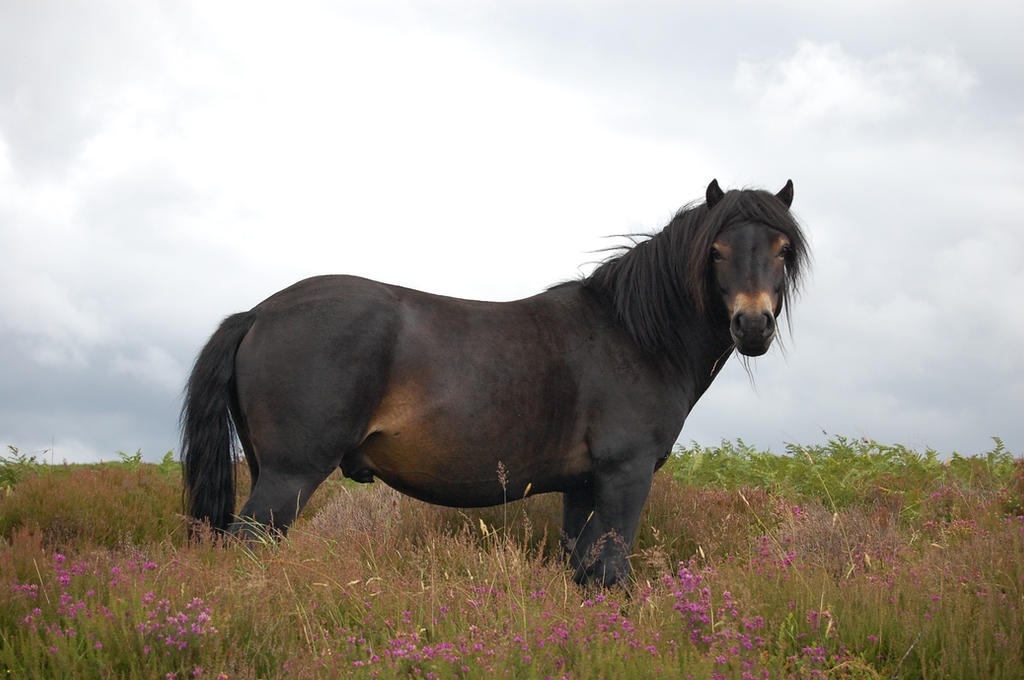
822, 85
52, 324
163, 166
152, 365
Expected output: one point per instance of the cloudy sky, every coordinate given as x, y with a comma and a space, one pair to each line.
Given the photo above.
165, 164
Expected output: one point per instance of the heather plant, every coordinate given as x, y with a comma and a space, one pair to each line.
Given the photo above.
921, 579
102, 504
81, 619
712, 523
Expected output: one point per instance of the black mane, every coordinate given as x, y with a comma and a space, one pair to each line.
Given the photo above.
660, 286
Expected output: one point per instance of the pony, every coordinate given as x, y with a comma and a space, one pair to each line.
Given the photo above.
581, 389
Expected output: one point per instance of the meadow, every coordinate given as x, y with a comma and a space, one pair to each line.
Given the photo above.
851, 559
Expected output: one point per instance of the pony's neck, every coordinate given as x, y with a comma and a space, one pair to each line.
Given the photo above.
707, 353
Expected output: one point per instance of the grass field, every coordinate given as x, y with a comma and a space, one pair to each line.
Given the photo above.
847, 560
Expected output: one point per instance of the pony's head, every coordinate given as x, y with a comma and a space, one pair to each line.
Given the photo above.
724, 268
753, 259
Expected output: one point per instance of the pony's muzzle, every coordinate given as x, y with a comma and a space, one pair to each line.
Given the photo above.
753, 324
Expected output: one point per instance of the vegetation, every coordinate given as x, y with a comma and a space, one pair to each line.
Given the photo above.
847, 560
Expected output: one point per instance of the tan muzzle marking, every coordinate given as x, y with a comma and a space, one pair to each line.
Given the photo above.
752, 304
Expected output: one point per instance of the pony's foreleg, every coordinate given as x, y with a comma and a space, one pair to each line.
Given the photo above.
577, 511
604, 536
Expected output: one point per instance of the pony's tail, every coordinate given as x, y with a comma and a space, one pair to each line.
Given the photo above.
208, 441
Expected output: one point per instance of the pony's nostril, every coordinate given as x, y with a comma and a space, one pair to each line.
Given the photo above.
737, 324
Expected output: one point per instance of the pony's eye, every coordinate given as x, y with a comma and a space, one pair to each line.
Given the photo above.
784, 252
716, 255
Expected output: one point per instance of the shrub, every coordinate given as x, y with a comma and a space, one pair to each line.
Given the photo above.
15, 466
102, 505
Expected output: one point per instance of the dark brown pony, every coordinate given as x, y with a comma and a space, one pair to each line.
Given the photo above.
581, 389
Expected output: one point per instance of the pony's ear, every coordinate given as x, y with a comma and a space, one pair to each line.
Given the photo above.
786, 195
714, 194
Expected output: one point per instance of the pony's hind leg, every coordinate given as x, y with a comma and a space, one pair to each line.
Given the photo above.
242, 431
276, 500
291, 460
292, 456
308, 378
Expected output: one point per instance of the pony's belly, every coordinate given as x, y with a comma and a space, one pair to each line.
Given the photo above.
435, 471
459, 472
452, 451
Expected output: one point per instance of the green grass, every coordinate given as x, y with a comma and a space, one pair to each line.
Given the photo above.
847, 560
